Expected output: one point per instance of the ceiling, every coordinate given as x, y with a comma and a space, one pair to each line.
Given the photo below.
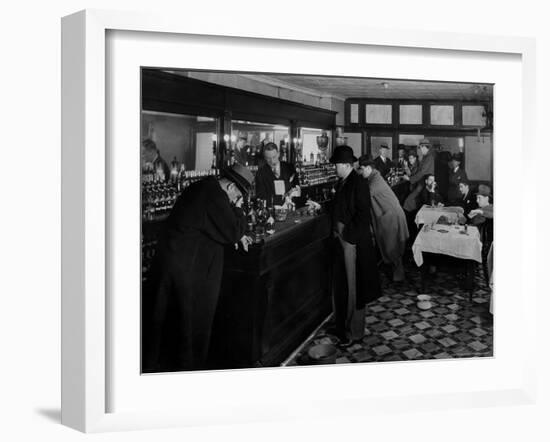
348, 87
343, 87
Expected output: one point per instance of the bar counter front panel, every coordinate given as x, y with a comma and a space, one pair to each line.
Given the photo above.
273, 296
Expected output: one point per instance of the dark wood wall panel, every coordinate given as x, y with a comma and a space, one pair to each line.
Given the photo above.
166, 92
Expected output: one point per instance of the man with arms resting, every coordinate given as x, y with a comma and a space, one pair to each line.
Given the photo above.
276, 179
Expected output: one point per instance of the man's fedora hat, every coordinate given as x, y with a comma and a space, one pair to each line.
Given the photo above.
425, 141
484, 190
241, 176
343, 154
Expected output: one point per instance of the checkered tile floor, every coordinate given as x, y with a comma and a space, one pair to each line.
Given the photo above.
397, 330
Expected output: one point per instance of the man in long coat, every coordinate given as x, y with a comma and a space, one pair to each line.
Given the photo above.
178, 309
356, 279
457, 175
426, 167
388, 219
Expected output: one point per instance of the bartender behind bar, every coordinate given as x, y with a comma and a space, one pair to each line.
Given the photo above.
276, 179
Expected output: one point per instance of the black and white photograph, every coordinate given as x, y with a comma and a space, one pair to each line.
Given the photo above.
226, 221
298, 220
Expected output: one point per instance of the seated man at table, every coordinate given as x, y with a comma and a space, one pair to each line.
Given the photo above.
482, 217
429, 194
484, 200
468, 199
276, 179
382, 162
388, 219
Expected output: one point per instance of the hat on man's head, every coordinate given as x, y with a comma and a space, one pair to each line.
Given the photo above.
425, 141
484, 190
365, 160
456, 157
241, 176
343, 154
384, 146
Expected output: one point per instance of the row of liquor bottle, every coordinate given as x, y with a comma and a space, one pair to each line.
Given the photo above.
158, 197
178, 174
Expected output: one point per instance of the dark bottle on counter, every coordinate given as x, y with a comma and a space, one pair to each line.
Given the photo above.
263, 214
250, 217
270, 223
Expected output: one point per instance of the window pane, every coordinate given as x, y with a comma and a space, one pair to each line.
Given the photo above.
410, 139
378, 113
354, 113
442, 115
473, 116
410, 114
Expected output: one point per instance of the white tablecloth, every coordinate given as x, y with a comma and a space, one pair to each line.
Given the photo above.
429, 215
452, 243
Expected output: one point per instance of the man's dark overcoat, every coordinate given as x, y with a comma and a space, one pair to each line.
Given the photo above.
186, 277
351, 206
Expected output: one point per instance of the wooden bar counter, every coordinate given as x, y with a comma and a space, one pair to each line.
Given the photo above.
274, 295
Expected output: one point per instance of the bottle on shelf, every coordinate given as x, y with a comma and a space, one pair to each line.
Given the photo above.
174, 170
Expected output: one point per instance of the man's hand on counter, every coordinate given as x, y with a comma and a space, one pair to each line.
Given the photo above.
245, 242
313, 205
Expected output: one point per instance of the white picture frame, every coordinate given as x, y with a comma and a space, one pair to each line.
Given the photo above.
87, 204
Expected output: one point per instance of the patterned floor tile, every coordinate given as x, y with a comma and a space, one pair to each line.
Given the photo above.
382, 350
422, 325
397, 330
389, 334
477, 346
449, 328
418, 338
413, 353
